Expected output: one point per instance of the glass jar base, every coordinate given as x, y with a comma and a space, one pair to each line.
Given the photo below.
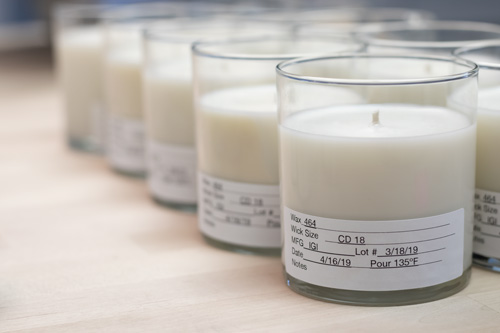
85, 145
184, 207
131, 174
380, 298
261, 251
491, 264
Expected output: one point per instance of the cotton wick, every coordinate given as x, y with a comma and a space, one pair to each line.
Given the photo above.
376, 118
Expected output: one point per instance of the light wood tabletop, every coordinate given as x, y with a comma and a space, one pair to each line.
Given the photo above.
83, 249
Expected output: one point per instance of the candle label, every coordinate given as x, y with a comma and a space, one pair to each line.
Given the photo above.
172, 172
374, 255
239, 213
486, 223
125, 148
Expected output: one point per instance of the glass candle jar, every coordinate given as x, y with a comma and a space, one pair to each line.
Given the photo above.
431, 37
237, 138
79, 49
345, 21
168, 102
342, 18
486, 215
377, 196
123, 79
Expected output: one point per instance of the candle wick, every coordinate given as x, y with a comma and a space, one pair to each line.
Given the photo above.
376, 118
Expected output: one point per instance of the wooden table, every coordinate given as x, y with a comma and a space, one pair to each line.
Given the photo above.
83, 249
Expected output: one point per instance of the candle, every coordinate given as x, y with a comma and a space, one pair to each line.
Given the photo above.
124, 101
123, 77
487, 217
168, 102
376, 198
426, 36
79, 50
237, 145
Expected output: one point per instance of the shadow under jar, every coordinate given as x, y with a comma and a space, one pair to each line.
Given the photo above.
237, 137
377, 194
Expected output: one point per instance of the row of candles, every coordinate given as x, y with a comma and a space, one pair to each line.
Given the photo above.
349, 148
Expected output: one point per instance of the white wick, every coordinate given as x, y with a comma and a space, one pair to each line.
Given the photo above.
376, 118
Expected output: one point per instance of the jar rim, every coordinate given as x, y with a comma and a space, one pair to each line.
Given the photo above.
471, 72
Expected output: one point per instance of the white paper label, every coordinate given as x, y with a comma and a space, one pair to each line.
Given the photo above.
239, 213
374, 255
486, 223
172, 172
126, 148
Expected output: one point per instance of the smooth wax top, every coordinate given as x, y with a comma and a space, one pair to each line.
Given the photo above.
377, 121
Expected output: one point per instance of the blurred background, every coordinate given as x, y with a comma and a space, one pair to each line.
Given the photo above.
26, 23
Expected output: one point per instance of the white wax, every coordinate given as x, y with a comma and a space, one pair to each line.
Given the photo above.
168, 104
80, 56
124, 82
488, 140
237, 132
418, 162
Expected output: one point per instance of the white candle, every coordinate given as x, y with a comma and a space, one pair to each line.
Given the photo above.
80, 56
488, 174
123, 74
366, 175
171, 156
238, 148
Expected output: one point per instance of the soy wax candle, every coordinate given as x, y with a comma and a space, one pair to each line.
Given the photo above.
486, 216
237, 138
347, 20
168, 101
79, 49
377, 198
123, 84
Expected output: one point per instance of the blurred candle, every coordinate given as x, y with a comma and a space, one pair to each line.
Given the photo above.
123, 77
487, 216
237, 137
168, 101
79, 42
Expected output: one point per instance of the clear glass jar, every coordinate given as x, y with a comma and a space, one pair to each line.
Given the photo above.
345, 21
377, 177
79, 50
168, 102
431, 37
340, 20
123, 84
486, 217
237, 139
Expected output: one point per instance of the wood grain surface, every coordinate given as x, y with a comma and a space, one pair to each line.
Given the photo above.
83, 249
